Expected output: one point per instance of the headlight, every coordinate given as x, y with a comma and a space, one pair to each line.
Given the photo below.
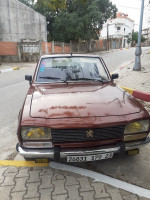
137, 127
132, 137
36, 133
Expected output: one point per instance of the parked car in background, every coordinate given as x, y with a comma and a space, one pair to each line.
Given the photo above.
74, 111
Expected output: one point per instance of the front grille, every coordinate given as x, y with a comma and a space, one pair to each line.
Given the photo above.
80, 135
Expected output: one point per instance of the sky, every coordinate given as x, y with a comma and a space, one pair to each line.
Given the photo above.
132, 8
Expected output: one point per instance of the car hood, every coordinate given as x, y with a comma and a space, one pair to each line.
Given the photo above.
76, 101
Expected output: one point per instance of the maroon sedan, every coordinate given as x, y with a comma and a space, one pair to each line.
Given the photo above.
74, 112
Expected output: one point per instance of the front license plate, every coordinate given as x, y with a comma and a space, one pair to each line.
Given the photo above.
89, 157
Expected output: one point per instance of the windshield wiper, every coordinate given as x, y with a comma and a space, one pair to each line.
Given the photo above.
49, 77
91, 79
54, 78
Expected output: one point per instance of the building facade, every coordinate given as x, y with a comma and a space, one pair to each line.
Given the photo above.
146, 34
146, 23
146, 18
117, 31
18, 21
22, 30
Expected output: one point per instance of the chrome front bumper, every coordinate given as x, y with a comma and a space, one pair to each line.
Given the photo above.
52, 154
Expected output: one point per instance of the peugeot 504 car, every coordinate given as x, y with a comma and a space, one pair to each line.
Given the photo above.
74, 111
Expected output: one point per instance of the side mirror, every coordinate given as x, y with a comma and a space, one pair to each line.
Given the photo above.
28, 78
114, 76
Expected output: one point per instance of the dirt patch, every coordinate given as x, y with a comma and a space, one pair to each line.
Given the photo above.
12, 156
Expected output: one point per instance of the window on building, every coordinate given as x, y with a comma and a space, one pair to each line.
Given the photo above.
118, 28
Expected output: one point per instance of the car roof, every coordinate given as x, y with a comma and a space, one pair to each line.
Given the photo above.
70, 55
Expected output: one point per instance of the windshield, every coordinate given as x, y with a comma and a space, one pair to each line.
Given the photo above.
58, 69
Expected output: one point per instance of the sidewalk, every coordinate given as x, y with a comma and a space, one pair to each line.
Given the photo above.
6, 67
46, 183
139, 80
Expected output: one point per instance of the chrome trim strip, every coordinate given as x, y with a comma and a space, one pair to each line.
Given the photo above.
138, 144
38, 145
35, 153
49, 153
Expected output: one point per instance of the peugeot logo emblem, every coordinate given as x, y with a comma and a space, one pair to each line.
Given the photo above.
89, 133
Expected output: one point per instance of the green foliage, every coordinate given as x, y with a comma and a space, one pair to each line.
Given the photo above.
80, 22
28, 2
134, 38
75, 19
129, 38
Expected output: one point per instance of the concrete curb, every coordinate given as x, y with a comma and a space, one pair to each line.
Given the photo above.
101, 178
22, 163
116, 71
129, 90
111, 50
9, 70
141, 95
137, 94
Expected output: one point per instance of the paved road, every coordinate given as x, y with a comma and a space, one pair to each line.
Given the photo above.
120, 58
13, 89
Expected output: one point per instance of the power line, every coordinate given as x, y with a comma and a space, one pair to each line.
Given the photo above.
131, 6
127, 7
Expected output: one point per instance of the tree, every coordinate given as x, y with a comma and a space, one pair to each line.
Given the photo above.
50, 9
79, 22
75, 19
82, 20
28, 2
129, 38
134, 38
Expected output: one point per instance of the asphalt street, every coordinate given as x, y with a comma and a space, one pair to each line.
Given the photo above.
120, 58
13, 88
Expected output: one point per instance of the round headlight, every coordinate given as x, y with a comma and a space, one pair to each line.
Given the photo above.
36, 133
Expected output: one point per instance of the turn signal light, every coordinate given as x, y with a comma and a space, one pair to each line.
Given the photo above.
133, 152
135, 137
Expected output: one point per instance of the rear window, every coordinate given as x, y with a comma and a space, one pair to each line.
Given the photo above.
57, 69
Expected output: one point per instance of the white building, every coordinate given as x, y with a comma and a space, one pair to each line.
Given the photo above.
146, 18
146, 34
117, 31
146, 23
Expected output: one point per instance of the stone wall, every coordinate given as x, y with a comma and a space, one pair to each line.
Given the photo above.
47, 47
112, 43
82, 47
55, 47
28, 51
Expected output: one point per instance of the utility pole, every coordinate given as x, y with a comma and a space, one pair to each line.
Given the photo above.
138, 51
107, 37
